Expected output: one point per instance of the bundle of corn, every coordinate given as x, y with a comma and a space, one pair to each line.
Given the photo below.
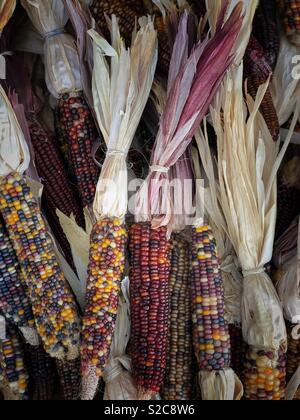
267, 31
248, 160
190, 90
257, 72
69, 377
41, 373
53, 304
64, 81
290, 10
287, 260
178, 384
14, 302
120, 92
13, 372
7, 8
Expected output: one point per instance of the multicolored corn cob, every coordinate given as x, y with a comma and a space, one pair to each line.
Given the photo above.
257, 71
57, 193
41, 372
150, 307
290, 10
78, 125
178, 383
293, 358
266, 30
211, 333
12, 364
264, 375
106, 268
14, 302
61, 138
69, 377
53, 304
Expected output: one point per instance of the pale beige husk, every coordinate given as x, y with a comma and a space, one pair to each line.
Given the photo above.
285, 87
120, 93
119, 384
62, 68
248, 162
221, 385
14, 152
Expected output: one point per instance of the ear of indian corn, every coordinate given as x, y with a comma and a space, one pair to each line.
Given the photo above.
210, 328
78, 126
13, 371
14, 302
53, 304
264, 375
69, 377
290, 10
178, 384
41, 371
149, 297
57, 193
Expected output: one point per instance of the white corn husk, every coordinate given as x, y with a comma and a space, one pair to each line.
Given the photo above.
285, 85
62, 67
14, 152
119, 384
248, 162
120, 93
288, 285
220, 386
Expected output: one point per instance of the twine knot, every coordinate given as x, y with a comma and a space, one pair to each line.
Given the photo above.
115, 152
254, 272
55, 32
159, 169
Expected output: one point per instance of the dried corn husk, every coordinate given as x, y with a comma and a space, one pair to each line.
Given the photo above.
120, 92
119, 384
285, 86
190, 91
62, 65
248, 161
7, 8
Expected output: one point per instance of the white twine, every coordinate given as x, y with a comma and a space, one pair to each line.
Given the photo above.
116, 153
55, 32
253, 272
159, 169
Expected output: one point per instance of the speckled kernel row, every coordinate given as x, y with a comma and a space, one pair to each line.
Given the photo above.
77, 124
210, 328
105, 273
52, 301
150, 305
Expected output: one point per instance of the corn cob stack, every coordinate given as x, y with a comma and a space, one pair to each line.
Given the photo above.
13, 372
293, 357
64, 81
57, 193
52, 302
257, 72
290, 10
178, 384
149, 297
129, 76
265, 373
41, 373
266, 30
14, 302
210, 328
69, 377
